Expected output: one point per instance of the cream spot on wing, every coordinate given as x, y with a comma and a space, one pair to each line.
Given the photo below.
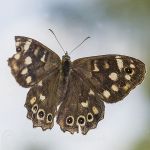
91, 92
106, 65
18, 39
127, 77
28, 60
126, 87
85, 104
119, 63
40, 83
114, 88
132, 66
27, 45
32, 100
113, 76
118, 57
17, 56
18, 43
59, 105
131, 61
95, 67
36, 51
43, 58
95, 110
24, 71
42, 97
106, 94
28, 79
14, 66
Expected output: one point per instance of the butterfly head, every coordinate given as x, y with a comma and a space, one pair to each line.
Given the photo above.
66, 57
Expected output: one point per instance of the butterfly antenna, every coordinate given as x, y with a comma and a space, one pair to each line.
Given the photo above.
57, 39
79, 44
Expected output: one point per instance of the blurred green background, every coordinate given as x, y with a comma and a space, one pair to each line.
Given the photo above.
116, 26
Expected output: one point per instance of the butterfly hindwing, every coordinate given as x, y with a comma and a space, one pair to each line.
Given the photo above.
81, 108
32, 62
42, 101
111, 76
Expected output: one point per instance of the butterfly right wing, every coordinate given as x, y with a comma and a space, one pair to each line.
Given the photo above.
81, 108
111, 76
32, 62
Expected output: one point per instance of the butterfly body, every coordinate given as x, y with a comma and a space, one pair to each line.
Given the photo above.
73, 92
66, 65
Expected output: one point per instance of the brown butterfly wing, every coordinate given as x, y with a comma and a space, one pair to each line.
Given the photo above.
42, 101
111, 76
32, 62
81, 108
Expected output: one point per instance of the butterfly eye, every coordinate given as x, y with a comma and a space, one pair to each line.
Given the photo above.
128, 70
90, 117
35, 108
41, 114
70, 120
50, 118
81, 120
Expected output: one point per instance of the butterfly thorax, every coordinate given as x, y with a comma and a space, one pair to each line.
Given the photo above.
66, 65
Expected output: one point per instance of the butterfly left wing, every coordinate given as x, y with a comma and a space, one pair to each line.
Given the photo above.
111, 76
42, 101
81, 108
32, 62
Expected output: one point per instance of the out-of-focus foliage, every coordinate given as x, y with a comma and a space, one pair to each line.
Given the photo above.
143, 144
124, 13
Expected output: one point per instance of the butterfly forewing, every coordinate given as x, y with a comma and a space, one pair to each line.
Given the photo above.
81, 107
32, 62
111, 76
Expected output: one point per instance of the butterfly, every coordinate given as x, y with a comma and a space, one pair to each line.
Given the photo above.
73, 92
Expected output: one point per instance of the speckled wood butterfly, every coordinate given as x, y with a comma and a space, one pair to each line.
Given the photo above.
74, 92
